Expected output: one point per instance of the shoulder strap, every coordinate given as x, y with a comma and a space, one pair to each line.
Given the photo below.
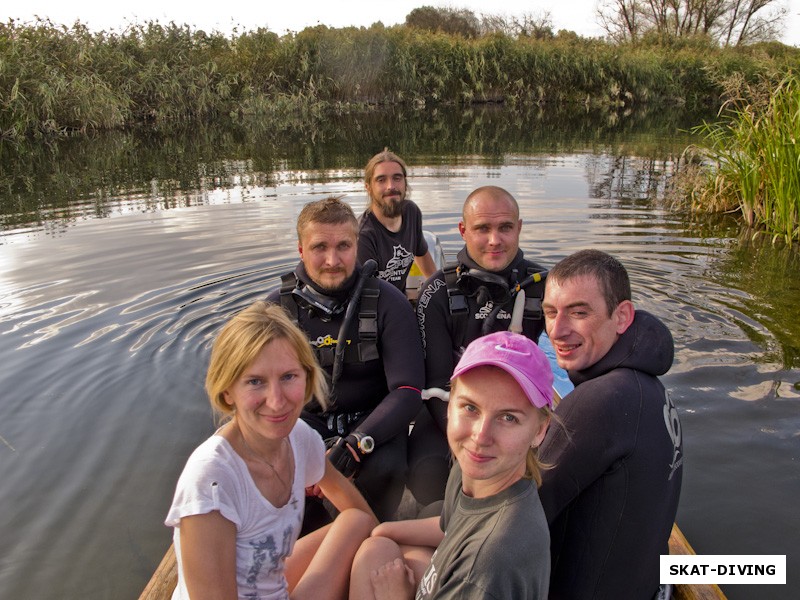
534, 293
368, 321
367, 347
457, 303
288, 283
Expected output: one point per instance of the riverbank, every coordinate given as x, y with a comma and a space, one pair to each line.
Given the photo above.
749, 160
58, 80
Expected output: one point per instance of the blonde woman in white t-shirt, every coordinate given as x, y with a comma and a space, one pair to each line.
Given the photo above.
238, 506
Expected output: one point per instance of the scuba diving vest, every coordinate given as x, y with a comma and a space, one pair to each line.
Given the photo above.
463, 282
365, 347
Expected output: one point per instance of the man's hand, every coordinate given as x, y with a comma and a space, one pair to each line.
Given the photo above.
343, 454
393, 581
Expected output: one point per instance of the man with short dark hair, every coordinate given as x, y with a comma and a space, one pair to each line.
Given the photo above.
363, 332
390, 229
616, 452
464, 301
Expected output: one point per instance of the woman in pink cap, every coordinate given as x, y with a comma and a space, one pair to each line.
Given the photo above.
492, 539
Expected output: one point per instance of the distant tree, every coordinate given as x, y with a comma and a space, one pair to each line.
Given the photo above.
455, 21
526, 25
728, 22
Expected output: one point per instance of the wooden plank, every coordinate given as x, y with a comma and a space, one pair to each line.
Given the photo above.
679, 546
164, 580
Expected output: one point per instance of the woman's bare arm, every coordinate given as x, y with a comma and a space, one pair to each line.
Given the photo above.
208, 556
341, 492
414, 532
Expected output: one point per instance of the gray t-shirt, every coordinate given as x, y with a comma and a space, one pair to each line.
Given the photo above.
496, 547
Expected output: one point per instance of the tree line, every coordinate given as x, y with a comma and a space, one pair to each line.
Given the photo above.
723, 22
726, 22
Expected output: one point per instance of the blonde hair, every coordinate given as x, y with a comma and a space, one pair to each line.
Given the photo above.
328, 211
241, 339
533, 466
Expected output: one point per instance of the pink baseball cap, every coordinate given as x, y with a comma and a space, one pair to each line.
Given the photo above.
516, 355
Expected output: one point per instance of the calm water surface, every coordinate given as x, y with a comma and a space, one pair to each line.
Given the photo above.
120, 258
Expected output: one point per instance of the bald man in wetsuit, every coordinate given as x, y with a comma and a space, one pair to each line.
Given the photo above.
466, 300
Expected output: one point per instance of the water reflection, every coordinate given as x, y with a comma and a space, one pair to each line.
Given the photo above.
50, 186
112, 286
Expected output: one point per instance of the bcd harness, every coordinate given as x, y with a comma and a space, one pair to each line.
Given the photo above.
366, 348
461, 282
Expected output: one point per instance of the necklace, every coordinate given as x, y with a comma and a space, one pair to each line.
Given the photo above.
260, 458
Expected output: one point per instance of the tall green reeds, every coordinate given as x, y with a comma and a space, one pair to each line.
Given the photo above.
754, 159
48, 82
57, 79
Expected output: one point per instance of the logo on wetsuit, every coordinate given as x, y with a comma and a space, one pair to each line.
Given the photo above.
673, 424
485, 310
422, 304
325, 342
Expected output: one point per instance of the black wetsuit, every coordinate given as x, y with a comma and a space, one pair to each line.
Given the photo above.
377, 397
612, 494
444, 337
394, 252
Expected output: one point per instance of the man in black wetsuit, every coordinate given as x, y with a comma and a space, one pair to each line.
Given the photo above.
465, 301
390, 229
375, 362
612, 494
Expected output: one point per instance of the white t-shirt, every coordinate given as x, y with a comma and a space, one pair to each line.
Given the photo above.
217, 478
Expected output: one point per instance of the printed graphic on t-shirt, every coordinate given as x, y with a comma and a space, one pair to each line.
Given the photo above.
428, 583
266, 557
398, 265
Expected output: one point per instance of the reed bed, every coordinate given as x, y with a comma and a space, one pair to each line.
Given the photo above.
750, 160
57, 80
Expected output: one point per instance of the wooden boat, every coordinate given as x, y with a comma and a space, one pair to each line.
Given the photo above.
165, 578
679, 546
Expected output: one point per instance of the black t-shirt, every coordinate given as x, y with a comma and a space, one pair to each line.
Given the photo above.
394, 252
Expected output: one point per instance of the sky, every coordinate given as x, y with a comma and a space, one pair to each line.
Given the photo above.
281, 16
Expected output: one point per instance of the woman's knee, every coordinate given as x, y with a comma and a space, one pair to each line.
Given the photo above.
377, 551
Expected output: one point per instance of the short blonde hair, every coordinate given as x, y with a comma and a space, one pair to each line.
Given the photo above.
241, 339
328, 211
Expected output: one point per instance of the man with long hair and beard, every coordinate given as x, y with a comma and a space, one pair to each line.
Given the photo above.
390, 229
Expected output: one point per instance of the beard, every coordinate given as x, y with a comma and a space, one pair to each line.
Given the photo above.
391, 208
